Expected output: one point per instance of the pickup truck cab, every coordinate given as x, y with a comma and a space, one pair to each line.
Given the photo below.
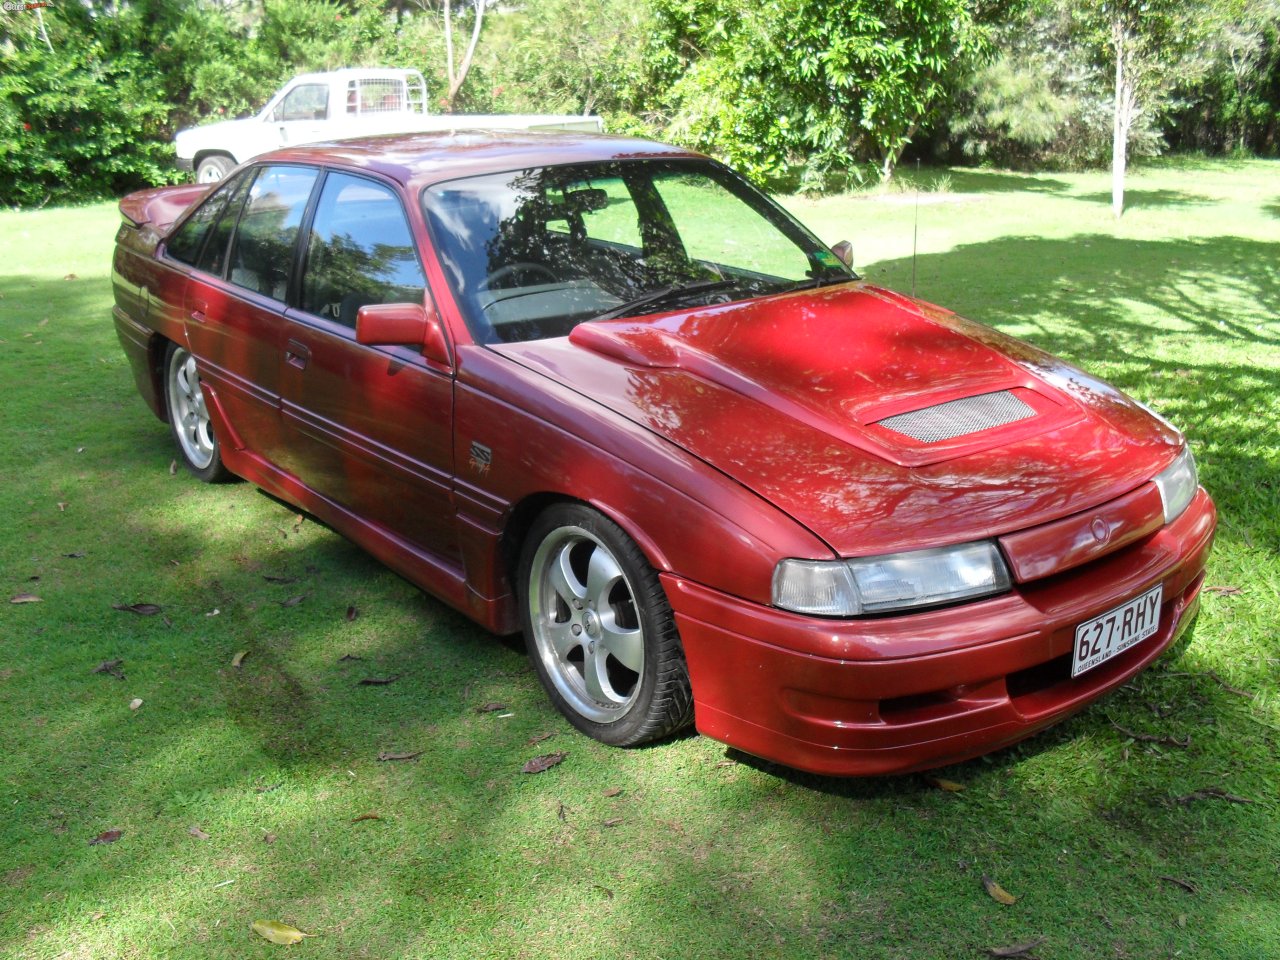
341, 104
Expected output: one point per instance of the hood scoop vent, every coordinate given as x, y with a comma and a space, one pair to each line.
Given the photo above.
959, 418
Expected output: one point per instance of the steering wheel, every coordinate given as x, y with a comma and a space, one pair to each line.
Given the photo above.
514, 271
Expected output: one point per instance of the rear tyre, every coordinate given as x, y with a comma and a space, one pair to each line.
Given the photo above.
599, 630
189, 417
212, 169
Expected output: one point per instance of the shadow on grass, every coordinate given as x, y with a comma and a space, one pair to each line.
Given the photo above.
1273, 208
1135, 199
995, 181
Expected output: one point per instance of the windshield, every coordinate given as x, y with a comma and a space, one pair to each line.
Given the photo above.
532, 253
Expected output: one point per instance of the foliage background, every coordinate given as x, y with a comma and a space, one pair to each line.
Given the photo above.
92, 92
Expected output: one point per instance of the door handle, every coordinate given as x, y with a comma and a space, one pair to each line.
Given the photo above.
198, 309
296, 354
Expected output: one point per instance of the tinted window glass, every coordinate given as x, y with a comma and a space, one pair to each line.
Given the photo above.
186, 241
532, 253
214, 257
360, 251
716, 230
262, 254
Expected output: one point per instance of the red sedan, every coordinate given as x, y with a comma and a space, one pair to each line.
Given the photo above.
605, 392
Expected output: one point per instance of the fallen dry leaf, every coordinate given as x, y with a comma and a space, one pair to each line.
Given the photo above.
1149, 738
271, 579
25, 598
491, 707
141, 609
352, 613
998, 893
70, 276
378, 681
544, 762
1017, 950
173, 468
612, 822
107, 836
386, 755
1186, 885
293, 601
110, 666
539, 737
135, 703
612, 792
62, 506
366, 816
198, 833
278, 932
605, 890
268, 838
942, 784
1225, 591
238, 659
560, 814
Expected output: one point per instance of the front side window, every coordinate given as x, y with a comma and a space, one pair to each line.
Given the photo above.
532, 253
310, 101
360, 251
262, 253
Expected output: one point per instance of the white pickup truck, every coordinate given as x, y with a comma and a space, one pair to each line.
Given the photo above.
355, 102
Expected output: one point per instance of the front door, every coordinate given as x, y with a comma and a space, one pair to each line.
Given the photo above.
370, 427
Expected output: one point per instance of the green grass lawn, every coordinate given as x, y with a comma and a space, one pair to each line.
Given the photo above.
700, 854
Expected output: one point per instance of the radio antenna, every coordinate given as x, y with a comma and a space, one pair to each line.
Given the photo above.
915, 230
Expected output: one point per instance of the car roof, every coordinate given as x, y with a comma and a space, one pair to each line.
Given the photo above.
421, 159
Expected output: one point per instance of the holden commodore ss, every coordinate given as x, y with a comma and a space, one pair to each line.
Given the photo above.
605, 392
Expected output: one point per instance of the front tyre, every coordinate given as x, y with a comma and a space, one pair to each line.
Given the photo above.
214, 168
189, 417
599, 630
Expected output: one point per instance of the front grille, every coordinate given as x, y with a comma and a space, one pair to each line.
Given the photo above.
957, 418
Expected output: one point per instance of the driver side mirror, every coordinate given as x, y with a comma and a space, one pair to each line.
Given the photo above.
402, 324
844, 251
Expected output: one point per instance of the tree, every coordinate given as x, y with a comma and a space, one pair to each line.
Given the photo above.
836, 85
1149, 46
458, 74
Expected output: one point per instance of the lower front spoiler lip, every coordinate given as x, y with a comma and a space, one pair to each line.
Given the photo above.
924, 691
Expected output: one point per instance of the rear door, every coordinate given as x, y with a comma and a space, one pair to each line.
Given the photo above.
236, 298
370, 428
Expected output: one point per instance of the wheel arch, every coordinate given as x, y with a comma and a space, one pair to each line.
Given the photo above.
525, 512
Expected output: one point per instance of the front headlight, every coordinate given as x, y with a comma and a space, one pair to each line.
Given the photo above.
1177, 484
897, 581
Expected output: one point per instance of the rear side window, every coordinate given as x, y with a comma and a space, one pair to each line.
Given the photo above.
360, 251
213, 259
186, 241
262, 252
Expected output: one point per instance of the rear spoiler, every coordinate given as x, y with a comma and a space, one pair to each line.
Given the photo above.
161, 206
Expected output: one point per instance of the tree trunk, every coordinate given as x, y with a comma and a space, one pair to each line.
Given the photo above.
456, 78
1120, 121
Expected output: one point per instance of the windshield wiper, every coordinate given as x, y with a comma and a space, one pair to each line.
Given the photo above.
816, 282
673, 292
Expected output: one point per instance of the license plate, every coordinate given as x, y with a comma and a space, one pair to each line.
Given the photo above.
1115, 631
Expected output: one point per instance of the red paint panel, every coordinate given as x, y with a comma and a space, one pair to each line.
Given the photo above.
1054, 547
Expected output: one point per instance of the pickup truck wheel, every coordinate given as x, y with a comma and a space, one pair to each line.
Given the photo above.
189, 417
212, 169
599, 630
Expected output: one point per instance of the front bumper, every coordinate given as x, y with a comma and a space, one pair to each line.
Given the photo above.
897, 694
